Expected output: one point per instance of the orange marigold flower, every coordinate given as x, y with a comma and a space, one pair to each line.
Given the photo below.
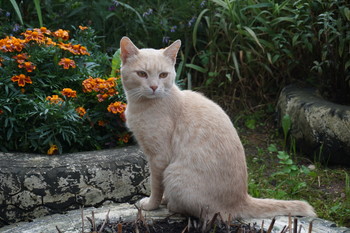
81, 111
29, 66
35, 35
54, 99
43, 30
49, 41
88, 84
21, 58
11, 44
53, 150
83, 28
21, 80
116, 107
124, 138
79, 50
66, 63
75, 49
63, 34
69, 92
101, 123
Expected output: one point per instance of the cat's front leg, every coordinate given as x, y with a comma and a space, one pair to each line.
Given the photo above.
153, 202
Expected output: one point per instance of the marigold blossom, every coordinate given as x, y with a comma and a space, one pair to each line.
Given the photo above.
21, 58
69, 92
124, 138
36, 35
29, 66
66, 63
101, 123
63, 34
11, 44
81, 111
105, 88
75, 49
53, 150
83, 28
54, 99
117, 107
43, 30
21, 80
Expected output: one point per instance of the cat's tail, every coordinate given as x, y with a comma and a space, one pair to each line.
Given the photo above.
268, 208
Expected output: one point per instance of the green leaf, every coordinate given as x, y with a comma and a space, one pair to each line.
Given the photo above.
250, 123
18, 12
272, 148
282, 155
286, 124
195, 67
38, 11
116, 63
253, 35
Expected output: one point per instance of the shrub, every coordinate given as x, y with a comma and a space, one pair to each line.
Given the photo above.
56, 95
251, 49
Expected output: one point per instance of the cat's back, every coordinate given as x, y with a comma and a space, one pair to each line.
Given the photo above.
196, 104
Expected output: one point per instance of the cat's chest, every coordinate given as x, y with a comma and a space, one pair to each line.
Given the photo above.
152, 123
153, 132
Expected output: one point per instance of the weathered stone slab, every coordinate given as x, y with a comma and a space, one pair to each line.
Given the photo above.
72, 221
321, 128
33, 185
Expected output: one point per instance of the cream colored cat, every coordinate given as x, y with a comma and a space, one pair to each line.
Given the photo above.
196, 158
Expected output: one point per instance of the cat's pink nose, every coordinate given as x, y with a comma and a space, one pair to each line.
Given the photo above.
154, 88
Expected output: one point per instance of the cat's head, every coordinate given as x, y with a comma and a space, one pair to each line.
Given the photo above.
147, 73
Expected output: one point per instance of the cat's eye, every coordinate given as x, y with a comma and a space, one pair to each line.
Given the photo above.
163, 75
141, 74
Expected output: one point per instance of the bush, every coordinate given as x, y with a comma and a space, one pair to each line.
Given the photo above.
56, 95
251, 49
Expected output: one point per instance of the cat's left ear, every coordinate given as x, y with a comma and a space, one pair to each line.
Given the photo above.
172, 50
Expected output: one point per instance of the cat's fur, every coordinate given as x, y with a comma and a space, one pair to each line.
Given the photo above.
196, 158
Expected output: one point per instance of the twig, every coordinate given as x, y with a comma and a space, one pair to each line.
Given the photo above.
104, 223
262, 227
58, 230
120, 228
271, 225
300, 226
295, 226
290, 223
310, 226
284, 228
93, 221
82, 218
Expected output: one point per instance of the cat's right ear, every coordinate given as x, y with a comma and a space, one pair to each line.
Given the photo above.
127, 49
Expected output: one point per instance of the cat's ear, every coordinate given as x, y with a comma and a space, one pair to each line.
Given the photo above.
127, 49
172, 50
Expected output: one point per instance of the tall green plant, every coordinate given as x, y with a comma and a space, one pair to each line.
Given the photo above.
250, 49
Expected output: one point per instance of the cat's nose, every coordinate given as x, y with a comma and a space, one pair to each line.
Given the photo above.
154, 88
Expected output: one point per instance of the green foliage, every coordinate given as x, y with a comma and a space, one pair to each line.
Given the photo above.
250, 49
56, 95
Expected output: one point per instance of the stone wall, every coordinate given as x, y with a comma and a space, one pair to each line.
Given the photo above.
33, 185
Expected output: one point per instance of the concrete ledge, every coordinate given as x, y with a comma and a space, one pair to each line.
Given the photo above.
320, 127
72, 221
34, 185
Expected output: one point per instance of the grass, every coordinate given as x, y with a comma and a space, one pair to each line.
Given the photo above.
280, 173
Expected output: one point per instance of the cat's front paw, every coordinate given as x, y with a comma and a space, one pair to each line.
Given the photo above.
147, 204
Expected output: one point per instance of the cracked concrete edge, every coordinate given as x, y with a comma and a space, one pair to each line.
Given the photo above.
33, 185
72, 221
